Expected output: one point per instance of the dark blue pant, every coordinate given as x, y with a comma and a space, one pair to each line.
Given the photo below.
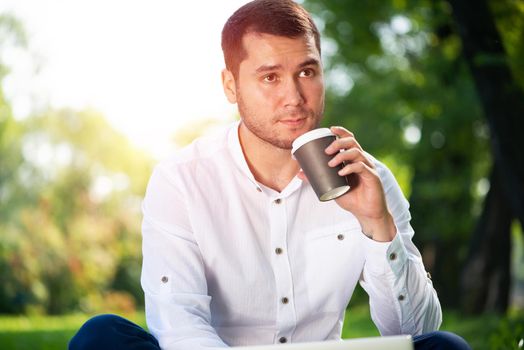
111, 332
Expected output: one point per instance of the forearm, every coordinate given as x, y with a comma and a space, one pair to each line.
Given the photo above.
402, 298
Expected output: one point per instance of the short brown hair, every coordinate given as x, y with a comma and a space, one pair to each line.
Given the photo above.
276, 17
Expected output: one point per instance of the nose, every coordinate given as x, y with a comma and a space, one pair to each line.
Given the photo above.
293, 95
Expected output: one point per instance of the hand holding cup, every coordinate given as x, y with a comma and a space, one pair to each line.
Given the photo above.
366, 199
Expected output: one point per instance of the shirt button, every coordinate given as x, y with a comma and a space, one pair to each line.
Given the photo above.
428, 275
278, 201
278, 251
392, 256
164, 279
285, 300
400, 297
283, 340
340, 237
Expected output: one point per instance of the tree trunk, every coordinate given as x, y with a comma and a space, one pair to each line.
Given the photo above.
485, 280
486, 276
501, 98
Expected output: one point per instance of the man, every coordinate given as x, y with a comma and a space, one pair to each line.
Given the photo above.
237, 248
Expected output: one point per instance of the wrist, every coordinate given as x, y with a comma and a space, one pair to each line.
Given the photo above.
381, 230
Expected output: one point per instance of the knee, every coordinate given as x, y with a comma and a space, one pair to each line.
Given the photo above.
442, 340
96, 332
452, 341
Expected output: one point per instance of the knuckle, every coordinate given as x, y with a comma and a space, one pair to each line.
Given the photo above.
355, 152
338, 143
336, 158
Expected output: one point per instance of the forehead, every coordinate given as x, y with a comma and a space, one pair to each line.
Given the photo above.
267, 49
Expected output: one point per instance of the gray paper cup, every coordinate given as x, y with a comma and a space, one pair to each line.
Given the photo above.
308, 150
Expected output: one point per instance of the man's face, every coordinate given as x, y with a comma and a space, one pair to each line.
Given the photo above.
280, 87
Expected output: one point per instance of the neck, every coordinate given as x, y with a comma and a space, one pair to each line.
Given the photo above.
270, 165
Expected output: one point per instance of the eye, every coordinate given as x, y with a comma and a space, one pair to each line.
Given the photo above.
307, 73
270, 78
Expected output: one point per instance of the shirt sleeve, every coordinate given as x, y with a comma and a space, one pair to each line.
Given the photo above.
401, 295
177, 304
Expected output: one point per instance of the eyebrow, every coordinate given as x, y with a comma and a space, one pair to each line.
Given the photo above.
268, 68
310, 62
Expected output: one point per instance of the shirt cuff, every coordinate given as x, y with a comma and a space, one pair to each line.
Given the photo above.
383, 257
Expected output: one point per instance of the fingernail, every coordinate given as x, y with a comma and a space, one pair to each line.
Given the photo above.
342, 172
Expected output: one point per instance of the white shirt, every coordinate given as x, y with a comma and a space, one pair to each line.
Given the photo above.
229, 262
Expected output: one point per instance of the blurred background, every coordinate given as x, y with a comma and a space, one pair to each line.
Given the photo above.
94, 93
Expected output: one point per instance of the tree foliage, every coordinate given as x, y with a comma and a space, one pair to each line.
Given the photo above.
70, 193
78, 238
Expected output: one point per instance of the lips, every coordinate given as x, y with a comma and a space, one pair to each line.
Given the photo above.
293, 122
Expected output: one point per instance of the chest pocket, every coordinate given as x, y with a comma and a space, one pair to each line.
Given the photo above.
333, 261
334, 248
333, 233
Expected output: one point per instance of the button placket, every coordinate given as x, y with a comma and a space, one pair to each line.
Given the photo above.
286, 318
402, 297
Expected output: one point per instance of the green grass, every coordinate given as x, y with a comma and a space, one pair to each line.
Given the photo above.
44, 332
54, 332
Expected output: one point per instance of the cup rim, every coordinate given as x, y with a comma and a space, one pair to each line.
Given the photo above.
310, 136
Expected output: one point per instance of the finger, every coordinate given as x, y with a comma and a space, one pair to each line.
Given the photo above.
352, 155
341, 131
356, 168
342, 143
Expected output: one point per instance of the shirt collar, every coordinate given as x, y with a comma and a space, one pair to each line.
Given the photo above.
233, 142
237, 153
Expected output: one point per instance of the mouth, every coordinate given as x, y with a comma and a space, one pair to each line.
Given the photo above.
293, 122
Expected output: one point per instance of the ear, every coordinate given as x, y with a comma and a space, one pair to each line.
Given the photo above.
228, 83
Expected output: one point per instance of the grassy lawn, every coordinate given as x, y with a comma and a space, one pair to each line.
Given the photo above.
54, 332
44, 332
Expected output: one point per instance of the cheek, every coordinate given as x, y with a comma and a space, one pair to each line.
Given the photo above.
319, 85
264, 99
253, 94
316, 91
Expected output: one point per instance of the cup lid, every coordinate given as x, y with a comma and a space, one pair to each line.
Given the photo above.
309, 136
